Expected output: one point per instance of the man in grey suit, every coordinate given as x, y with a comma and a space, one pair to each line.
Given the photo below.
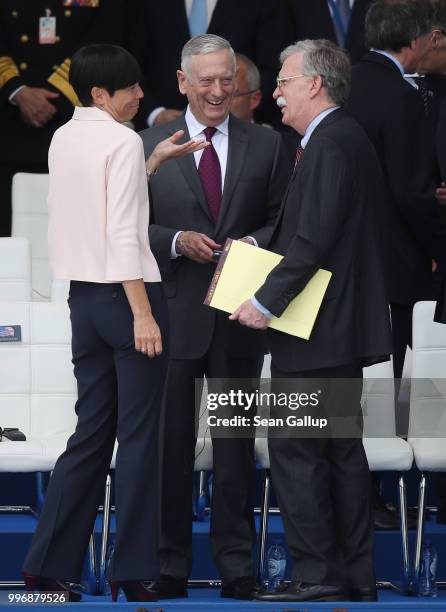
233, 190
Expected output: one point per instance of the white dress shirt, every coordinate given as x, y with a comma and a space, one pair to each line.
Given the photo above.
219, 140
98, 208
220, 143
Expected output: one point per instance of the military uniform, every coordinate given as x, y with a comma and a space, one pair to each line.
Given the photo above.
25, 61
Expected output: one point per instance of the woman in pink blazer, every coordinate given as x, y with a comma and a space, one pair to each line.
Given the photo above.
98, 220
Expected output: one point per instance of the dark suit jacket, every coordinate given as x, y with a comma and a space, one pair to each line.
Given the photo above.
392, 113
435, 85
328, 221
312, 19
440, 135
256, 177
440, 314
256, 28
23, 61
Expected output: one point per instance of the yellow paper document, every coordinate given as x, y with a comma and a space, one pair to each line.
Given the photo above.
243, 269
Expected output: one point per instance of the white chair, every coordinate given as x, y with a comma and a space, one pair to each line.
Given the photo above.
203, 462
59, 290
427, 424
38, 389
30, 220
15, 270
38, 394
385, 452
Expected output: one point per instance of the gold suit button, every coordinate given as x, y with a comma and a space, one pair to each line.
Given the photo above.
14, 13
24, 38
57, 39
67, 13
23, 66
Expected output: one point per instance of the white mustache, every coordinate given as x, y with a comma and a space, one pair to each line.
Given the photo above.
281, 101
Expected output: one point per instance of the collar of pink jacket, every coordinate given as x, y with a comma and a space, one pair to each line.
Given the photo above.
91, 113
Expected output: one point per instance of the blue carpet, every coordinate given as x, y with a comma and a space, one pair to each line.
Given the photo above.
204, 600
16, 531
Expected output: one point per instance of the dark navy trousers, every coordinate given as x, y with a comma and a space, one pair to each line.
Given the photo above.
119, 396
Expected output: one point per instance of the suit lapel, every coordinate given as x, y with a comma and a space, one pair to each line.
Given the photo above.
182, 20
237, 145
172, 16
188, 167
218, 16
326, 121
278, 220
322, 14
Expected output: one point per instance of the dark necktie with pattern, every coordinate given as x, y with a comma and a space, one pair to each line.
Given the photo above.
210, 174
299, 153
425, 93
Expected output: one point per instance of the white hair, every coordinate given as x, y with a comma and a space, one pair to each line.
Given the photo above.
202, 44
325, 59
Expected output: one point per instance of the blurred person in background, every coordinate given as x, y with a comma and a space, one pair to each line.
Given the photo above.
431, 82
392, 112
253, 27
247, 94
341, 21
37, 41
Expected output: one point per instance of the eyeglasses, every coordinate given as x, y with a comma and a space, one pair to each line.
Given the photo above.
239, 94
282, 80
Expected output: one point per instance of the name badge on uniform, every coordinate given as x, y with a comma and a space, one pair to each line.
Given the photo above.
47, 29
85, 3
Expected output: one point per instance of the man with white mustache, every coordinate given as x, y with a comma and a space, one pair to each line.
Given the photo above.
327, 221
234, 190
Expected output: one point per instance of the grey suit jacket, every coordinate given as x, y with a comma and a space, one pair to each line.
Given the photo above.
256, 176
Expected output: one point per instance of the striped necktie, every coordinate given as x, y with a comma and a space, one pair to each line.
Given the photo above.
198, 18
299, 153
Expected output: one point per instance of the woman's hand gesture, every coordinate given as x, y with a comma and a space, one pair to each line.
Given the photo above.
168, 149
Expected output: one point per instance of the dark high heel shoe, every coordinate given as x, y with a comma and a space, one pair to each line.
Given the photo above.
134, 590
45, 585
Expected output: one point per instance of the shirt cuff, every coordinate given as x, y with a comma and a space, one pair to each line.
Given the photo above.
153, 115
173, 251
254, 241
11, 97
262, 309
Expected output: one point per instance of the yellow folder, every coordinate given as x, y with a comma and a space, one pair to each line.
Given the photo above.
242, 270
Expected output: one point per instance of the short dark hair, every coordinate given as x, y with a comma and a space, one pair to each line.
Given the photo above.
394, 24
107, 66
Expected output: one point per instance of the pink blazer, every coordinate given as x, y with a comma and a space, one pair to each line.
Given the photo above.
98, 202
